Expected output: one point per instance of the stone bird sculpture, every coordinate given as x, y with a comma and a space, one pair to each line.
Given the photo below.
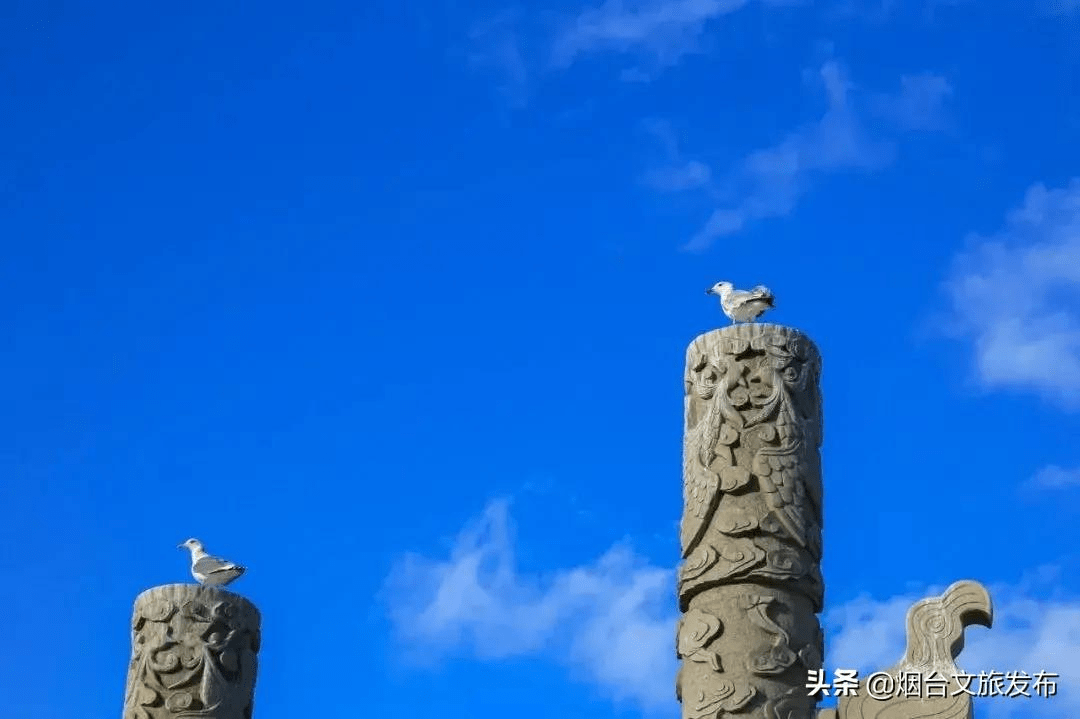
935, 637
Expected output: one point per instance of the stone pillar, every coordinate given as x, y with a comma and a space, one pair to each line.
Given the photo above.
750, 583
194, 653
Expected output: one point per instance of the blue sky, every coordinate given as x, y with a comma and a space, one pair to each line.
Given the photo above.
389, 301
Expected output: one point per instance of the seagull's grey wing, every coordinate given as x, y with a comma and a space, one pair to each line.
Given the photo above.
761, 294
209, 565
741, 297
737, 297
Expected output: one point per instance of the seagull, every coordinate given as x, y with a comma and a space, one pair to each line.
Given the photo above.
742, 305
210, 571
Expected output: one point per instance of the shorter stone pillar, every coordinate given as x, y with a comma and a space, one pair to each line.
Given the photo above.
194, 653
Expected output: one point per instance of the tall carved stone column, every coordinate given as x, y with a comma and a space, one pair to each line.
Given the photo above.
750, 582
194, 653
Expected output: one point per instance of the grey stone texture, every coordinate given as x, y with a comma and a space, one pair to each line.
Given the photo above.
749, 585
935, 637
194, 653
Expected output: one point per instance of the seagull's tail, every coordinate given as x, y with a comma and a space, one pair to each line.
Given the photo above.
763, 293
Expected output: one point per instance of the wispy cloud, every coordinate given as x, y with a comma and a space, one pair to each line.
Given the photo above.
676, 173
1055, 477
688, 175
662, 32
519, 47
1016, 295
919, 105
769, 182
664, 29
611, 621
495, 47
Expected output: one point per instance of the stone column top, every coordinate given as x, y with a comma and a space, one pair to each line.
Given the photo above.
750, 331
196, 603
191, 590
193, 653
753, 328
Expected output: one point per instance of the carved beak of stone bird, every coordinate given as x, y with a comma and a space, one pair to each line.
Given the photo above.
970, 603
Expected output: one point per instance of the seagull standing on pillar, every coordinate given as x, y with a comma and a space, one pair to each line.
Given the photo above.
742, 305
210, 571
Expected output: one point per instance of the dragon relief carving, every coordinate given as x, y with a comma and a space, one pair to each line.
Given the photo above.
693, 635
725, 697
778, 656
752, 422
195, 659
795, 704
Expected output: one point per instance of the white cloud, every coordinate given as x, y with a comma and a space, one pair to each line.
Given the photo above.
612, 621
920, 103
1055, 477
495, 46
677, 174
769, 182
658, 32
688, 175
666, 29
1016, 294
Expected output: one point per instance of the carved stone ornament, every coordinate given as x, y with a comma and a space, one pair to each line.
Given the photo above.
193, 654
935, 637
750, 582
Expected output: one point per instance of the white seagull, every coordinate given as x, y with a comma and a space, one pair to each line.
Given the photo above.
742, 305
210, 571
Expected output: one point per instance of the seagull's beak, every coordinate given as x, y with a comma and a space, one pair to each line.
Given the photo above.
709, 291
180, 546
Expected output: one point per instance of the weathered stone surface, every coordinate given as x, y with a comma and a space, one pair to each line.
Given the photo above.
935, 637
193, 654
750, 582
